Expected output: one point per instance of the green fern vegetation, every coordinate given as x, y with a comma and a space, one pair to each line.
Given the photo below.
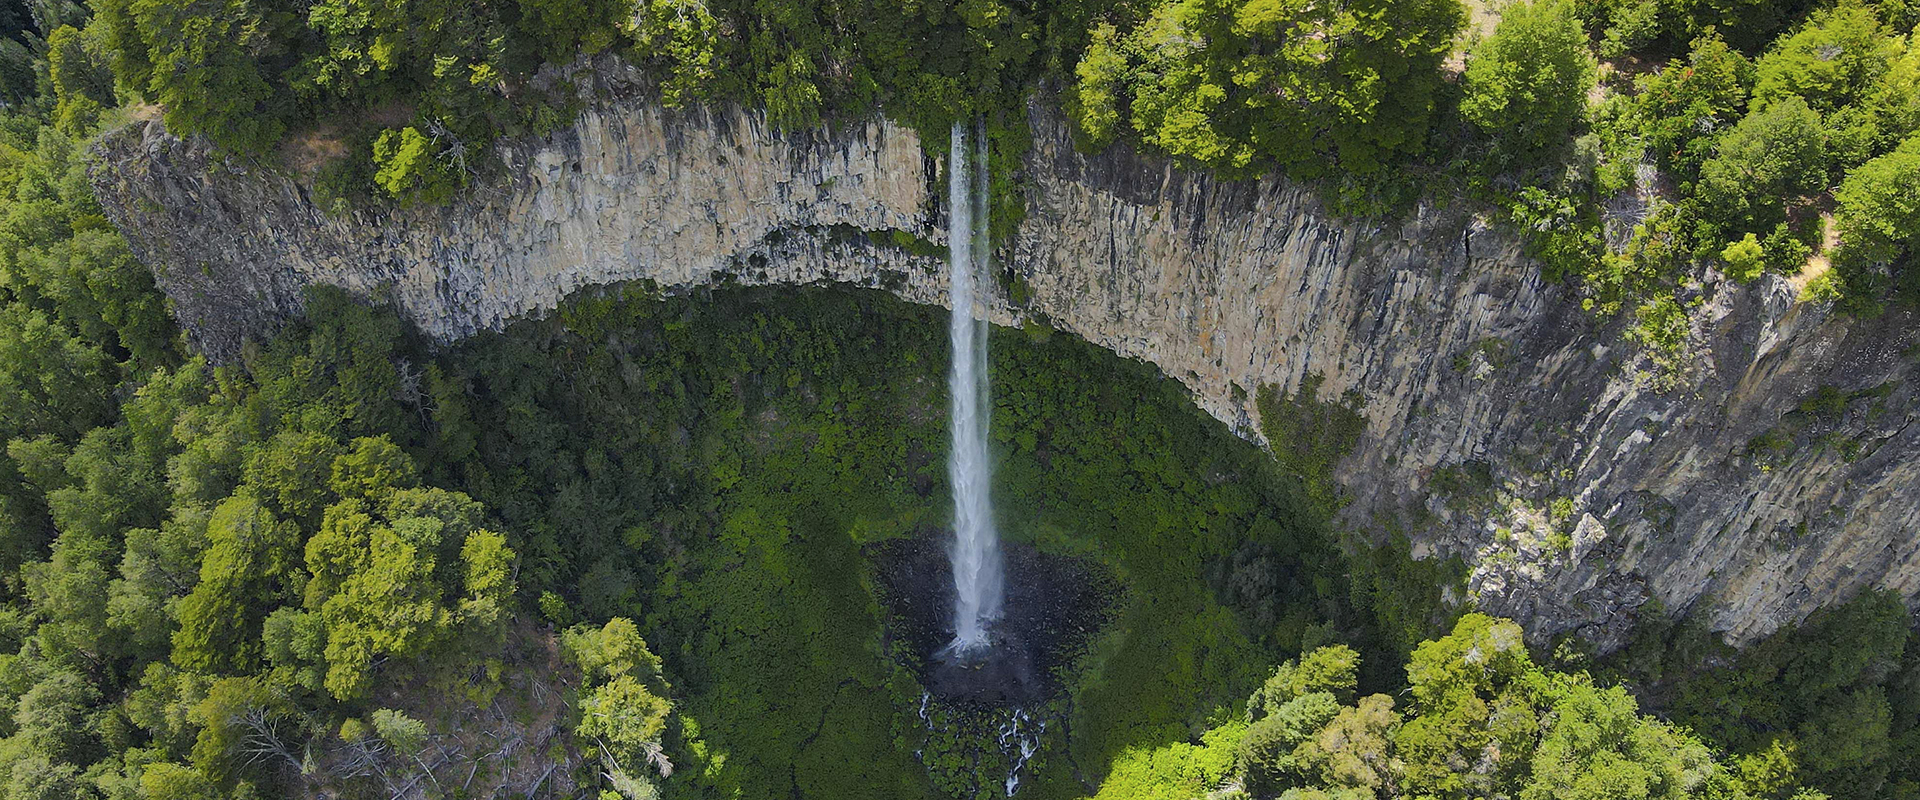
658, 523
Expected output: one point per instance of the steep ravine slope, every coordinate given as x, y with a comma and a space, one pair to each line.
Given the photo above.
1503, 423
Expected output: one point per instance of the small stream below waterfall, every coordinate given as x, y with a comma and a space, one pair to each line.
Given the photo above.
1020, 738
982, 751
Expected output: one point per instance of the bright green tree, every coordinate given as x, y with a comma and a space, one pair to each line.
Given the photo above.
1837, 59
1879, 207
1527, 83
1681, 108
389, 605
1773, 155
680, 38
413, 168
1243, 85
1598, 747
219, 619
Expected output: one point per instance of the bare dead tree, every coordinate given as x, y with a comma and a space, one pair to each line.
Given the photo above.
453, 147
265, 742
657, 756
407, 389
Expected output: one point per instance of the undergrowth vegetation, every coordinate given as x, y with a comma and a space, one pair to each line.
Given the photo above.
721, 465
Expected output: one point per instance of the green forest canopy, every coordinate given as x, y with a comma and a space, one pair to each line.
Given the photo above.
206, 573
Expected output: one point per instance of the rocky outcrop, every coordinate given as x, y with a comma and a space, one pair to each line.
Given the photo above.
1770, 476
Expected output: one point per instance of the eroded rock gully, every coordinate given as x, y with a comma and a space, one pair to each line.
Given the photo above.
1603, 492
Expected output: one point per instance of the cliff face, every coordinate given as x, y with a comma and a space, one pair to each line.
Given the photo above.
1503, 423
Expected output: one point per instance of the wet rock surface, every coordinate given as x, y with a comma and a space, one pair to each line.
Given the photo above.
1055, 605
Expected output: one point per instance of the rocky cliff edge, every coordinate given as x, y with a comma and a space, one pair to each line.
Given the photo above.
1774, 474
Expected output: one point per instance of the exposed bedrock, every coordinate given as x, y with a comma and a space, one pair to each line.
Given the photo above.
1720, 496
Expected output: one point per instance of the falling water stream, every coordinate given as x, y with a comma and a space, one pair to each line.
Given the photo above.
1012, 733
978, 573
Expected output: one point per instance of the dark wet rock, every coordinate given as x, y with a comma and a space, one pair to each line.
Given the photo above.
1055, 604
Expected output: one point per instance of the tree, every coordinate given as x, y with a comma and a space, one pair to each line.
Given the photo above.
169, 781
412, 168
681, 39
1333, 669
1455, 683
1879, 207
372, 467
1242, 85
1744, 258
295, 643
70, 590
391, 606
1355, 749
201, 68
37, 776
291, 474
226, 715
365, 43
1095, 104
1837, 59
1527, 84
337, 551
1749, 24
405, 733
52, 719
1897, 103
1267, 752
624, 714
1683, 107
562, 29
1598, 747
376, 583
50, 381
489, 580
1774, 154
611, 651
218, 619
82, 75
624, 703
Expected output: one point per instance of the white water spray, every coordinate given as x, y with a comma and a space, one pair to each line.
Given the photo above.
978, 578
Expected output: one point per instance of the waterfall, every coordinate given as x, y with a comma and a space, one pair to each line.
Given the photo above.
978, 581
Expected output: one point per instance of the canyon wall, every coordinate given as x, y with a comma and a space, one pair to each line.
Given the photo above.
1771, 475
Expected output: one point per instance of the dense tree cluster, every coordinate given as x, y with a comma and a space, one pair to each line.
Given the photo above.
1755, 112
1837, 697
1756, 138
203, 569
1251, 86
1478, 719
418, 90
